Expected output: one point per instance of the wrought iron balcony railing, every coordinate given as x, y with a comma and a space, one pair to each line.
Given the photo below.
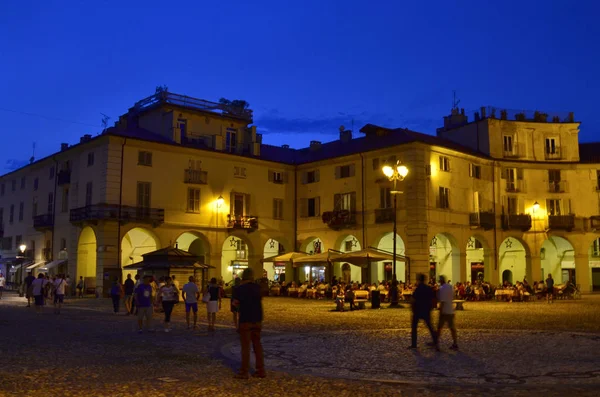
553, 154
110, 212
484, 219
339, 219
384, 215
519, 222
195, 177
64, 177
242, 222
561, 222
43, 222
557, 187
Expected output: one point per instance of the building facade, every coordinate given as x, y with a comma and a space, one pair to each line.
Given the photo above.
499, 198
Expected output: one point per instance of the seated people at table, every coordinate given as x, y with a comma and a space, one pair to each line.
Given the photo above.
349, 297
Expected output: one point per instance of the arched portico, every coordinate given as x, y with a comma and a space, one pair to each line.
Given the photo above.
444, 257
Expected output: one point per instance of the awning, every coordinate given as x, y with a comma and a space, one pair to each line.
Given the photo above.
318, 259
55, 263
33, 266
14, 269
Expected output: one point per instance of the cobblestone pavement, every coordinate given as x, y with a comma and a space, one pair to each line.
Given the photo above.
87, 350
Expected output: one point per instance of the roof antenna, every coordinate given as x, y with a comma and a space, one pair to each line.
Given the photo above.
104, 122
454, 101
32, 159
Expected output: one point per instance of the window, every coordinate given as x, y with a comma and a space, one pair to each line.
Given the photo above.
375, 164
240, 204
11, 216
476, 201
14, 185
145, 158
88, 193
344, 171
22, 183
18, 240
310, 177
348, 246
182, 125
596, 248
313, 207
231, 140
143, 194
345, 201
385, 197
551, 146
444, 198
475, 171
90, 159
444, 163
193, 200
553, 207
36, 183
277, 208
277, 176
511, 204
239, 172
511, 175
21, 211
7, 243
34, 207
3, 187
50, 203
507, 144
51, 173
65, 200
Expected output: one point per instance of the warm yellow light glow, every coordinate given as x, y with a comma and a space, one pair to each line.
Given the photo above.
536, 206
220, 201
229, 268
402, 170
22, 247
307, 269
388, 171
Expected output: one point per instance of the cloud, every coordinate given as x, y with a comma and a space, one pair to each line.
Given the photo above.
13, 164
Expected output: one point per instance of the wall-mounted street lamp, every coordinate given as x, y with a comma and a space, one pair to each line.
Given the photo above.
395, 172
536, 207
22, 248
220, 201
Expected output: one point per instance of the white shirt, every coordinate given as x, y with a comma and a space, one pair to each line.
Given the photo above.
37, 285
446, 294
176, 284
60, 285
190, 289
2, 281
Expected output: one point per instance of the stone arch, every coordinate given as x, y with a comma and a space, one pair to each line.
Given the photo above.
348, 243
87, 246
478, 259
308, 245
194, 242
235, 253
557, 256
514, 255
136, 242
381, 271
274, 271
444, 257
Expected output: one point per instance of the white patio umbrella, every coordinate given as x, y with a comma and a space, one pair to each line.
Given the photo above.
365, 256
322, 258
287, 257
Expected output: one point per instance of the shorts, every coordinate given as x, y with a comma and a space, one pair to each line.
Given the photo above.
191, 306
59, 298
39, 300
212, 306
144, 312
446, 318
29, 292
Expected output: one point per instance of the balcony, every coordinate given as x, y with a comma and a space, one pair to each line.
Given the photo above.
553, 154
339, 219
516, 222
557, 187
47, 254
384, 215
43, 222
515, 186
196, 177
484, 219
595, 222
64, 177
249, 223
110, 212
561, 222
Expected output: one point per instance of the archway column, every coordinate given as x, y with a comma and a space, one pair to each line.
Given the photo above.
491, 271
582, 273
463, 268
214, 260
534, 268
254, 263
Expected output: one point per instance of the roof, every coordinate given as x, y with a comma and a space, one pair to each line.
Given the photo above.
589, 152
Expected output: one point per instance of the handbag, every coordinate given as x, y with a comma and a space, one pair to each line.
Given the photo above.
206, 297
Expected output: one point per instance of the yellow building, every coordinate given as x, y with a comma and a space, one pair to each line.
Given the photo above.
178, 171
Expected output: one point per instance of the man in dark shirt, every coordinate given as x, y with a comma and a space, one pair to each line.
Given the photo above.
248, 300
129, 286
28, 289
422, 302
550, 288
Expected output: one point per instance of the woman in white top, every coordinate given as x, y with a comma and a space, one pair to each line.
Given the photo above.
169, 296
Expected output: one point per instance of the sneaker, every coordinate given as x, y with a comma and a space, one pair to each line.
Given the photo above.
454, 347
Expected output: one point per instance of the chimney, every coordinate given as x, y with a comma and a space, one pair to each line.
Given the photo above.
315, 145
85, 138
64, 146
285, 146
345, 135
483, 112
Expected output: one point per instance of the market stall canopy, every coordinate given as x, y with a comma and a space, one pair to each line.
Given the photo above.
366, 256
167, 258
322, 258
287, 257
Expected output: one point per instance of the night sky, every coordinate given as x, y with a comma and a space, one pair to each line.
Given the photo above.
306, 67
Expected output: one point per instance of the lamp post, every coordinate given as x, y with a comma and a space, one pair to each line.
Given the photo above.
220, 202
22, 248
396, 172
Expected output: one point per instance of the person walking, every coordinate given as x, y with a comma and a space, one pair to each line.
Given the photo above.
28, 288
169, 296
422, 303
143, 303
212, 306
233, 307
550, 288
60, 285
248, 300
80, 287
128, 286
138, 282
2, 284
116, 292
191, 294
446, 295
37, 286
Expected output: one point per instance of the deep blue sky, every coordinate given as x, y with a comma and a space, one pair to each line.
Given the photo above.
305, 67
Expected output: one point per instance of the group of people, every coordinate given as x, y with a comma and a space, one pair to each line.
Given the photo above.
521, 290
45, 288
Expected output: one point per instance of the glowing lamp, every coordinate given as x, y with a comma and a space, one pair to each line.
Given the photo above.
536, 206
220, 201
22, 247
388, 171
402, 170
